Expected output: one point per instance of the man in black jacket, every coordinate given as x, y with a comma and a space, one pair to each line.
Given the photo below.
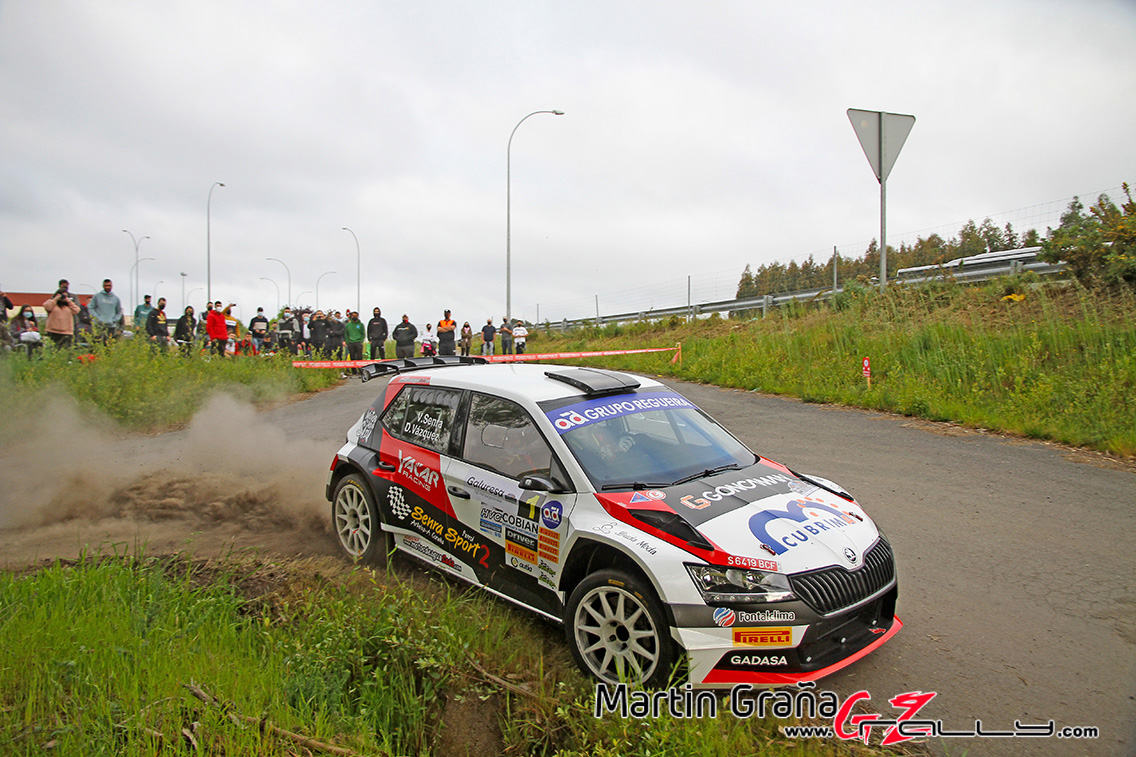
377, 335
318, 329
286, 328
156, 327
335, 333
404, 335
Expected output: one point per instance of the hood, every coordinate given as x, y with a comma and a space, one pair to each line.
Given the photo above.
764, 517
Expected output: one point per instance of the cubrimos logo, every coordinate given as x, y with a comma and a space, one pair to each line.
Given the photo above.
815, 519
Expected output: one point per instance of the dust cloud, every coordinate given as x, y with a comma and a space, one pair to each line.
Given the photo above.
71, 480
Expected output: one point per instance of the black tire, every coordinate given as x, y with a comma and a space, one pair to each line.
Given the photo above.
357, 524
617, 631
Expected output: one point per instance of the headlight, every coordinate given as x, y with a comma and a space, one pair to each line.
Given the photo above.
720, 585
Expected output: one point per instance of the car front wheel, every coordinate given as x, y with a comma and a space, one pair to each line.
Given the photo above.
356, 521
617, 630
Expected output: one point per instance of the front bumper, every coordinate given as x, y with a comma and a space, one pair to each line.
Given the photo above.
784, 654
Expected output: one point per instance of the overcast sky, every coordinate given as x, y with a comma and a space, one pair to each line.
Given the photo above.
697, 137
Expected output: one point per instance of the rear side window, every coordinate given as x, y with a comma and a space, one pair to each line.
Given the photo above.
502, 437
423, 415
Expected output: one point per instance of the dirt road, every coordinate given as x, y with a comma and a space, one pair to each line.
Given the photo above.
1015, 561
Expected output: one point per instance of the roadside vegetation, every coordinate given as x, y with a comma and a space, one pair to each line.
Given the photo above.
137, 656
145, 389
1052, 361
1046, 360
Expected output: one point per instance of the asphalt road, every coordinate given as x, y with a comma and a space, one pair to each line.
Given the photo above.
1015, 561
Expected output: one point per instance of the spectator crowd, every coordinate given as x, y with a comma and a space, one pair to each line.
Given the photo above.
331, 334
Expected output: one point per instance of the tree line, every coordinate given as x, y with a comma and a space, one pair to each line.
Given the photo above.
1100, 247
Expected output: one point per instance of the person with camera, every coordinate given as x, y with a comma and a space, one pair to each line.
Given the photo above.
61, 311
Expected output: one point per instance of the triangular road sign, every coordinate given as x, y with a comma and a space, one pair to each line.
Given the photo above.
896, 127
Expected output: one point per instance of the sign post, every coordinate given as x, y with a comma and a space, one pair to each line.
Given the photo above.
868, 371
882, 136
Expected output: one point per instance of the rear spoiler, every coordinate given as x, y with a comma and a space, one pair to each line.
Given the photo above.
387, 367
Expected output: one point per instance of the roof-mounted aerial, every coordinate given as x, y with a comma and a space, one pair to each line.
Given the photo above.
385, 367
594, 382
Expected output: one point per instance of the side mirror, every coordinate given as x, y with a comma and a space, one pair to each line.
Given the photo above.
539, 484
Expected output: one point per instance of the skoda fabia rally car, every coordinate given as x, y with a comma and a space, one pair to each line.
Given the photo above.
611, 504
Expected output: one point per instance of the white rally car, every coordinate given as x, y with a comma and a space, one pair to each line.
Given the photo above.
611, 504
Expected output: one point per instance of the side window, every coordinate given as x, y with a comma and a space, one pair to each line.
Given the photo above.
501, 436
423, 415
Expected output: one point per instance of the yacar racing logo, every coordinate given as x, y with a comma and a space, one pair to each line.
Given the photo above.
416, 471
814, 524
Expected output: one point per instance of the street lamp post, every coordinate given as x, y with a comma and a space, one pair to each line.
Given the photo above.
358, 274
134, 294
159, 281
265, 278
301, 294
325, 273
183, 275
190, 296
209, 244
281, 262
508, 211
134, 276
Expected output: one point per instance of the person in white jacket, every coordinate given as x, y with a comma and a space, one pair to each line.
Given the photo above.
520, 333
429, 342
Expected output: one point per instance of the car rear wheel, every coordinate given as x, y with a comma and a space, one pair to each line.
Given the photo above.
356, 520
617, 631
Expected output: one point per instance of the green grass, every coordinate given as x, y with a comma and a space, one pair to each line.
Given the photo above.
1058, 365
146, 389
98, 655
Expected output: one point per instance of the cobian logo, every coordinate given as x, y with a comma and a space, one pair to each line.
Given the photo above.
724, 617
763, 637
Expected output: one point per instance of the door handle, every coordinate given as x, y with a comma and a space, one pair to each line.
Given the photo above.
458, 492
388, 467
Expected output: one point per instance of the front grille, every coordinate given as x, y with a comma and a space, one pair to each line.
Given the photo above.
831, 589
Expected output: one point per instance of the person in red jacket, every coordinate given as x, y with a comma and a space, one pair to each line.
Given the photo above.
217, 329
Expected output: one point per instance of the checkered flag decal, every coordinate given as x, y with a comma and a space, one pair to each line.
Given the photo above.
398, 502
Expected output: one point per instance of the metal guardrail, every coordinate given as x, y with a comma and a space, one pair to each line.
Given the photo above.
966, 270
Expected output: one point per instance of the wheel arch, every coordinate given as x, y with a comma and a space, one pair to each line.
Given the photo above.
588, 556
344, 467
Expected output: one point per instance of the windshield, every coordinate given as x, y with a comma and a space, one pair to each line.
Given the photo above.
646, 440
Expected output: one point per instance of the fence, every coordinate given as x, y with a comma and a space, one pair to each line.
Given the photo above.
976, 268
